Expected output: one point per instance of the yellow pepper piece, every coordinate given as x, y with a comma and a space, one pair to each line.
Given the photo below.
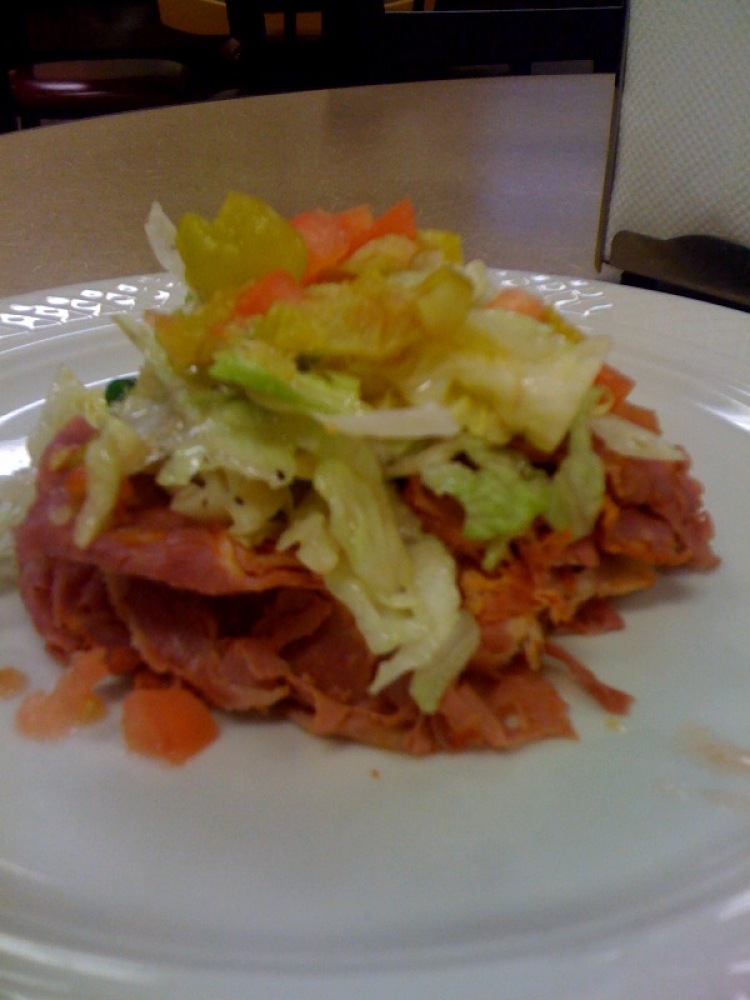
444, 240
442, 301
192, 338
246, 240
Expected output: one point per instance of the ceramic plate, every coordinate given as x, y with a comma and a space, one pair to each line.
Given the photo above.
278, 866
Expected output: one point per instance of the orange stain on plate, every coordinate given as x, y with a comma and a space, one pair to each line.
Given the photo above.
12, 682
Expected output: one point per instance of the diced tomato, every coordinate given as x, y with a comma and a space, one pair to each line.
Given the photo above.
171, 724
618, 386
331, 237
356, 220
615, 382
327, 239
641, 415
398, 220
257, 297
519, 301
72, 702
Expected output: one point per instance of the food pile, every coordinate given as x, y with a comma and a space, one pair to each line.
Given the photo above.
353, 485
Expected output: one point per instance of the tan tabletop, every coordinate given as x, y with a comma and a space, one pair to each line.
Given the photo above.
516, 164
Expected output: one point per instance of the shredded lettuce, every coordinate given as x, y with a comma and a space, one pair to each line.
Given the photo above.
68, 397
396, 423
515, 376
114, 454
448, 659
500, 491
417, 625
627, 438
235, 435
308, 533
362, 517
577, 492
250, 505
444, 637
161, 233
274, 381
16, 495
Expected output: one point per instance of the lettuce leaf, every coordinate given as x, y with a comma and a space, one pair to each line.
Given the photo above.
362, 516
272, 380
443, 636
114, 454
500, 496
502, 493
517, 376
578, 485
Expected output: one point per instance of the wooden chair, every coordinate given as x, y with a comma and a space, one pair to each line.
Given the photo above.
61, 61
322, 43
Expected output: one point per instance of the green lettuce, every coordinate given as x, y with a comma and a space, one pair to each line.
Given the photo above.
362, 515
502, 493
273, 381
578, 485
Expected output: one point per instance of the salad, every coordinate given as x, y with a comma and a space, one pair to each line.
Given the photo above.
352, 485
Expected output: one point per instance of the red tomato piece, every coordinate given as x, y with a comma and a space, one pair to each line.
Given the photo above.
399, 220
171, 724
518, 301
327, 240
256, 298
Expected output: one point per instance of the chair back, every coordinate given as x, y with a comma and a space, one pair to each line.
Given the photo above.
676, 204
322, 43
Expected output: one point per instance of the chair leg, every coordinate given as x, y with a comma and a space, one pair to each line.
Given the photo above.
28, 120
8, 121
354, 35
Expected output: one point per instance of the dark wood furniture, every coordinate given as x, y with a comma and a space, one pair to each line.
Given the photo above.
367, 41
67, 60
465, 37
345, 51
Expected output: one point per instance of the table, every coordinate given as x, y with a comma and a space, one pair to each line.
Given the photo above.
516, 164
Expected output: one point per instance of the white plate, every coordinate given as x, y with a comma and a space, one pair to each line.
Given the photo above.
278, 866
